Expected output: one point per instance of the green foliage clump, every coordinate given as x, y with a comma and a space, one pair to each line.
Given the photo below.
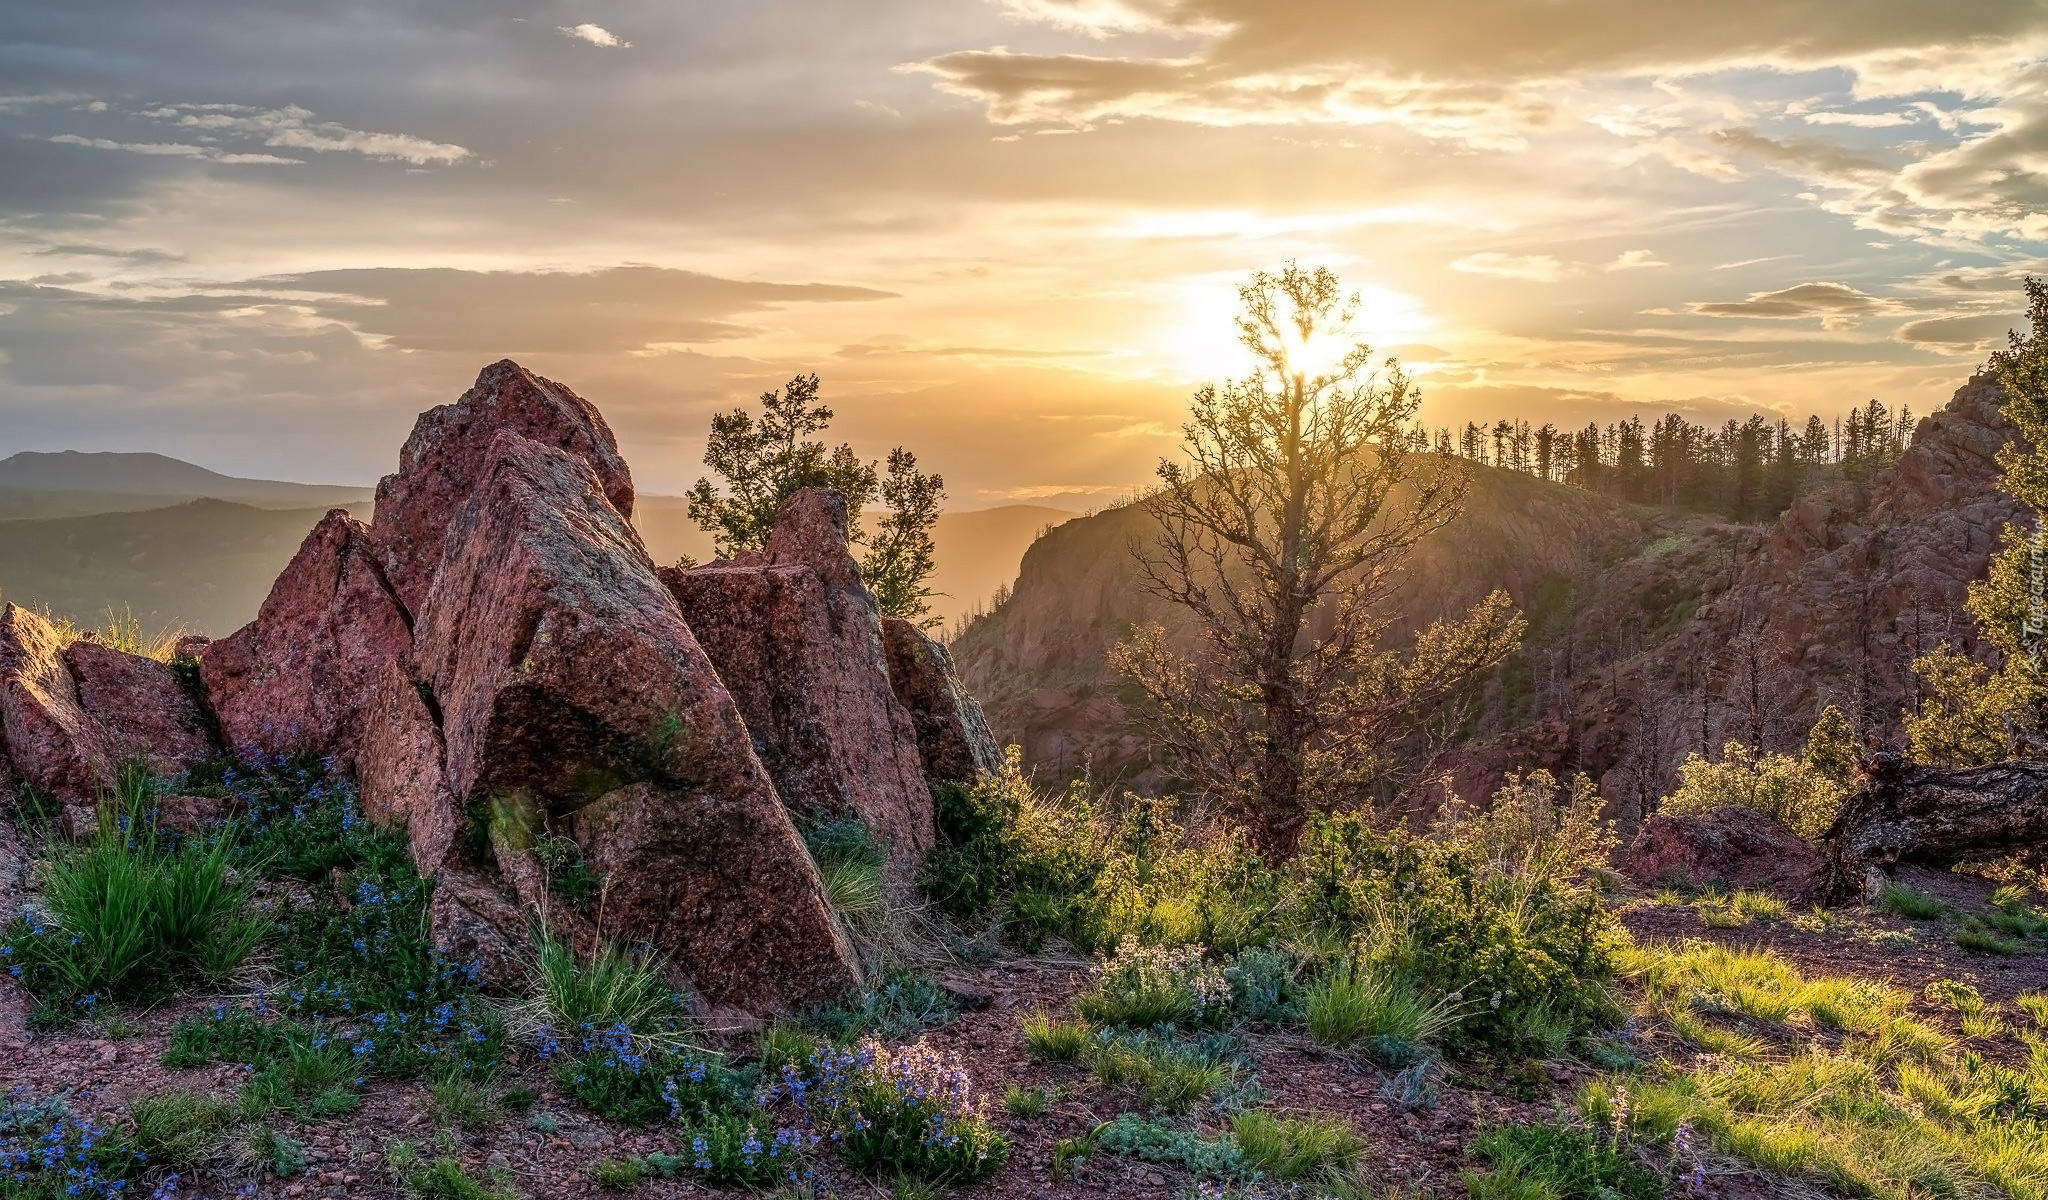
742, 1149
365, 991
1553, 1162
178, 1128
131, 914
1295, 1148
1532, 820
1169, 1074
444, 1179
1052, 869
1802, 793
1908, 902
1518, 946
850, 866
1363, 1003
1157, 1141
620, 1077
904, 1003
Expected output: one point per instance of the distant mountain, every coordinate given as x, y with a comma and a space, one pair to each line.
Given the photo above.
203, 566
33, 483
978, 552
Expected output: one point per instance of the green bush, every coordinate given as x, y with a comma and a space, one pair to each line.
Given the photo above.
1170, 1075
131, 915
903, 1004
1506, 940
850, 866
1552, 1162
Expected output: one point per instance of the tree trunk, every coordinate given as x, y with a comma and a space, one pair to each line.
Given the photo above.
1939, 817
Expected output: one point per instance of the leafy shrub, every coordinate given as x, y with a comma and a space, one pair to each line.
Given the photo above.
1262, 986
131, 914
1298, 1147
1055, 1040
48, 1154
1796, 792
616, 1174
177, 1128
908, 1111
267, 1148
1532, 821
1001, 848
1143, 986
617, 987
1450, 921
1552, 1162
785, 1045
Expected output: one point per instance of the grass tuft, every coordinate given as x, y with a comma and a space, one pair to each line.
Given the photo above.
1298, 1147
1056, 1040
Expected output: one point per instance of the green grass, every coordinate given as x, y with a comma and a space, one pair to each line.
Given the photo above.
461, 1101
1349, 1005
618, 1174
617, 987
132, 914
178, 1129
1895, 1110
1906, 902
786, 1045
2035, 1005
445, 1179
1295, 1148
1056, 1040
1166, 1076
1553, 1162
266, 1147
1023, 1102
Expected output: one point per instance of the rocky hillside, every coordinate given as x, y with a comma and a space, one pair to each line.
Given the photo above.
1642, 620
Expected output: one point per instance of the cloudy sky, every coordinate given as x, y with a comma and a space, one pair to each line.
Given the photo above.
262, 235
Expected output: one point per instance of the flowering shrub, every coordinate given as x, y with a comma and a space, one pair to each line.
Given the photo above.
746, 1149
909, 1111
47, 1153
1142, 986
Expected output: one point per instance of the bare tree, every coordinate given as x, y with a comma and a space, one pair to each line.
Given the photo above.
1279, 533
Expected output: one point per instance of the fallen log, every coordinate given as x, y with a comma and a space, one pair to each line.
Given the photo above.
1935, 816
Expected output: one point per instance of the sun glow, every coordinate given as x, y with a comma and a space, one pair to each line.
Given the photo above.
1199, 341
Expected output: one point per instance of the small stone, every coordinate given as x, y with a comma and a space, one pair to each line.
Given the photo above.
498, 1161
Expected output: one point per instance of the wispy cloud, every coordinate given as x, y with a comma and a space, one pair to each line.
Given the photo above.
1535, 268
596, 35
294, 128
1635, 260
177, 150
